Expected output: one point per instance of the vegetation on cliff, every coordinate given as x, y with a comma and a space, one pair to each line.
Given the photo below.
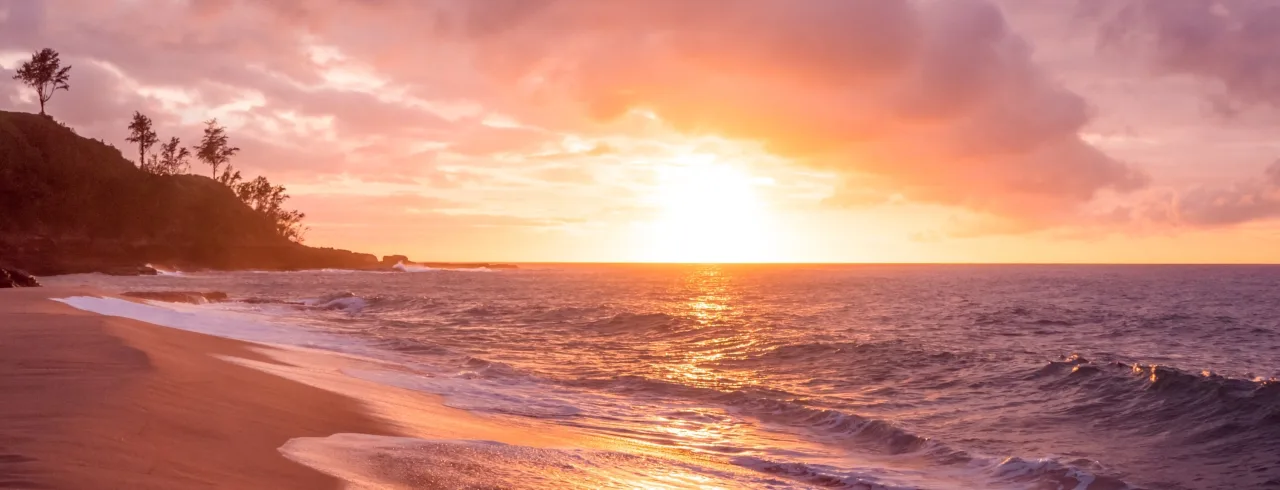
73, 204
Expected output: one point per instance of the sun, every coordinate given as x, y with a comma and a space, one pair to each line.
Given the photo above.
708, 212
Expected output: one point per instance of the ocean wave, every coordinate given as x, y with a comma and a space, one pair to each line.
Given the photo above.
474, 367
779, 408
883, 363
562, 313
1199, 413
637, 323
1051, 474
897, 350
836, 427
1008, 472
403, 267
345, 301
160, 271
1200, 391
817, 475
1012, 472
508, 395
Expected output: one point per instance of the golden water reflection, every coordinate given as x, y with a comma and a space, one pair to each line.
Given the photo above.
719, 332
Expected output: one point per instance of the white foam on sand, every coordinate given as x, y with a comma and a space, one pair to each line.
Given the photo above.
216, 322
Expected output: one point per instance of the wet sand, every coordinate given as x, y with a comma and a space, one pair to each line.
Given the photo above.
89, 401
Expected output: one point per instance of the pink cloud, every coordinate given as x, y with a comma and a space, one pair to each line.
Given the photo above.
1252, 200
1230, 42
939, 102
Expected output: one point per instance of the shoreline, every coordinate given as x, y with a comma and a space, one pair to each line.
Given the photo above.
102, 402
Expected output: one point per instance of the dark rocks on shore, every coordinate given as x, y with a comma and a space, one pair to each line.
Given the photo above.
193, 297
16, 278
392, 260
397, 262
141, 270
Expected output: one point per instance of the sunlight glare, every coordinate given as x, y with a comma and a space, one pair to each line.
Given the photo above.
710, 212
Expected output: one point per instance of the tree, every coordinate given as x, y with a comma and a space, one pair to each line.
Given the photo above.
260, 195
141, 134
230, 177
269, 200
174, 159
214, 149
44, 73
289, 225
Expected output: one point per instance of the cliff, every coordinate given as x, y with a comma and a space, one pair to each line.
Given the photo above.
72, 204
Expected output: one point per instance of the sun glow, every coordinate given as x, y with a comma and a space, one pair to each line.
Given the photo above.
709, 212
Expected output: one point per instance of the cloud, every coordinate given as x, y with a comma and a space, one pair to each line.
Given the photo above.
939, 102
1253, 200
1231, 42
566, 174
479, 139
1201, 206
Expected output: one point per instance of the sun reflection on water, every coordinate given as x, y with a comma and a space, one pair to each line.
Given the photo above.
716, 332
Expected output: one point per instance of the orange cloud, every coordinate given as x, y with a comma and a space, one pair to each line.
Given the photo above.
934, 102
939, 101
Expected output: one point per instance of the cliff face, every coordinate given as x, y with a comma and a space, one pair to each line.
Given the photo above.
72, 204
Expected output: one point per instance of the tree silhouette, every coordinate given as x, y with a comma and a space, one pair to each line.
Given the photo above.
140, 133
173, 158
230, 177
269, 200
214, 149
44, 73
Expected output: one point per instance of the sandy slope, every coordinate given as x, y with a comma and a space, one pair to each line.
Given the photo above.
88, 401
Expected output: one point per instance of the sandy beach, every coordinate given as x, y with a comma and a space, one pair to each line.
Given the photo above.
94, 401
99, 402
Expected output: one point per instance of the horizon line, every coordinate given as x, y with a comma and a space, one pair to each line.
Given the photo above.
517, 262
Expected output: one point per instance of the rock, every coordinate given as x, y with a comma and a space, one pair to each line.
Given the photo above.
141, 270
16, 278
390, 260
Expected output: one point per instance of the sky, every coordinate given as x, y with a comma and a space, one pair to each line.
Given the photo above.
1058, 131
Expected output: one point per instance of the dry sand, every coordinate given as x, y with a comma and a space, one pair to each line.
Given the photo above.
89, 401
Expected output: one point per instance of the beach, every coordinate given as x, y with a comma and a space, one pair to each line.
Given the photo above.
605, 376
96, 401
100, 402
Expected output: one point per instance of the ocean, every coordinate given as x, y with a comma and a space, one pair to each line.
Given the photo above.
801, 376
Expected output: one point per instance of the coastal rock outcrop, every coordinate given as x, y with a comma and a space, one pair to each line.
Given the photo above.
141, 270
392, 260
16, 278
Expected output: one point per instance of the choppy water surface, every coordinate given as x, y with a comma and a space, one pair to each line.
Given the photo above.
1039, 377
